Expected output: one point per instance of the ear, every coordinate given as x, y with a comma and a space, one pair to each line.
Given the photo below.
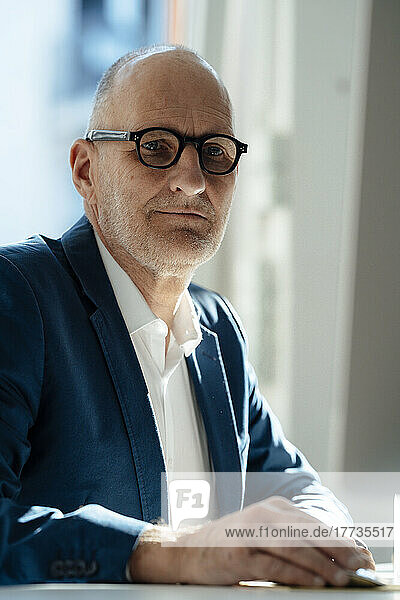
81, 161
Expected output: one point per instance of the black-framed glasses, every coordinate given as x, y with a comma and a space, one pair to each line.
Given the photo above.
160, 148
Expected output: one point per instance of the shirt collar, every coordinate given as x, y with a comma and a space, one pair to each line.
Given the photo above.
137, 313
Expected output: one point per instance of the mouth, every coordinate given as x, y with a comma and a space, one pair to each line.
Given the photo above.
182, 213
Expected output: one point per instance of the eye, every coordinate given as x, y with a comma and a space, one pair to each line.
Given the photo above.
213, 151
152, 146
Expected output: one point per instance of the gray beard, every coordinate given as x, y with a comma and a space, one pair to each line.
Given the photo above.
164, 253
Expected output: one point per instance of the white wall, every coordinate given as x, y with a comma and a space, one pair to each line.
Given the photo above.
330, 85
372, 440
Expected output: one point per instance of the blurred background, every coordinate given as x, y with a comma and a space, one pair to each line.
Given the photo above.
311, 255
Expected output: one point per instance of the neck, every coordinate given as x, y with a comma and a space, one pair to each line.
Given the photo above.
161, 292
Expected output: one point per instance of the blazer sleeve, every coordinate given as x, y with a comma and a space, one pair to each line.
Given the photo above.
40, 543
289, 473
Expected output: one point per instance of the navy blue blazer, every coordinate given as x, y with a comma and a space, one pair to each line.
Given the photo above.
80, 457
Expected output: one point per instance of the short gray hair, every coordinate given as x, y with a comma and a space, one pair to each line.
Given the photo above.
102, 96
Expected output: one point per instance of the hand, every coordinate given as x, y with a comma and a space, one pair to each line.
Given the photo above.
202, 556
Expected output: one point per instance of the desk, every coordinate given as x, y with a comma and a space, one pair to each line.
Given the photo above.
103, 591
99, 591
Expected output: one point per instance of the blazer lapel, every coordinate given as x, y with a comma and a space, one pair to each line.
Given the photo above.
212, 392
82, 252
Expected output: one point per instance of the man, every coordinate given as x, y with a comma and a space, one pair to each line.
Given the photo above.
113, 369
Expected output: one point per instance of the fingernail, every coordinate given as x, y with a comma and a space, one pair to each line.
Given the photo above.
318, 581
341, 578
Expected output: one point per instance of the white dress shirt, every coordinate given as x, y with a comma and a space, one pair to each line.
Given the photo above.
178, 420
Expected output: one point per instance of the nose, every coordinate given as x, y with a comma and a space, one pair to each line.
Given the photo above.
186, 175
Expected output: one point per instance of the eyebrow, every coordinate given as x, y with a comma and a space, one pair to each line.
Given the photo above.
176, 130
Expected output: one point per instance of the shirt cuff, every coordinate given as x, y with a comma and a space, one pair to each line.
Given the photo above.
127, 569
128, 573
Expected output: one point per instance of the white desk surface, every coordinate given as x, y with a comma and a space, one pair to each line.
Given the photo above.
102, 591
94, 591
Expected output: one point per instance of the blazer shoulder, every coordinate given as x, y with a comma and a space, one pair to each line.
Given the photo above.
38, 258
209, 304
216, 311
28, 253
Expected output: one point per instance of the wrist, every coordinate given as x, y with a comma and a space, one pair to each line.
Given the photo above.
158, 557
148, 563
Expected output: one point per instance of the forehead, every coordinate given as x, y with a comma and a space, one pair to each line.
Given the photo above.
172, 92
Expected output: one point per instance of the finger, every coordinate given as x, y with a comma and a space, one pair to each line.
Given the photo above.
272, 568
363, 552
368, 557
310, 559
348, 558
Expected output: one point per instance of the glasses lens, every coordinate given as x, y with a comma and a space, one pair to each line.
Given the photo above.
219, 154
158, 148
